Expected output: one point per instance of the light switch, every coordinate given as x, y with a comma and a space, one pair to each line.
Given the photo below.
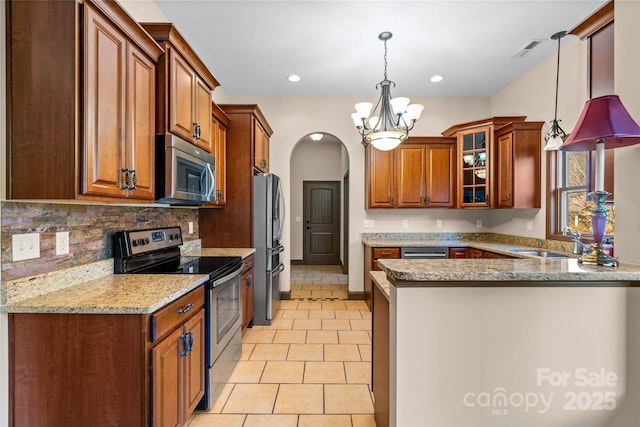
62, 242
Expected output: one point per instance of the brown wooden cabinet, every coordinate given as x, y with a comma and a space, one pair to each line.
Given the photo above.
185, 85
107, 369
371, 257
219, 123
246, 292
177, 363
458, 253
476, 157
380, 358
518, 165
82, 104
261, 148
417, 174
232, 226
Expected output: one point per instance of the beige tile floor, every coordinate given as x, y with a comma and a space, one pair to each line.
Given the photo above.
310, 368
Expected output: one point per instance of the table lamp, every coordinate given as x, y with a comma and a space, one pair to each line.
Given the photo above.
604, 123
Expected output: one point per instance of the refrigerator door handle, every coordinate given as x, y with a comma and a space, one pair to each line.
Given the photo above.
276, 250
274, 272
281, 206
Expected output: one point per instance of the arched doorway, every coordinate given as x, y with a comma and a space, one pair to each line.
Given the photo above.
318, 186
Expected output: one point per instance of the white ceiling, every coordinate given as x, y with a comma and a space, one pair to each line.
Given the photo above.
252, 46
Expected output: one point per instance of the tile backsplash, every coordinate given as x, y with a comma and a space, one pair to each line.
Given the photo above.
90, 229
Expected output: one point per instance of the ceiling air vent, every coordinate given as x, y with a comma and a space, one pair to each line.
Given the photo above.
528, 48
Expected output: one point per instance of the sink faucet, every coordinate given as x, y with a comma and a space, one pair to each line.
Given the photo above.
578, 247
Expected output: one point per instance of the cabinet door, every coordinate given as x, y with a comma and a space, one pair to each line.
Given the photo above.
181, 97
381, 182
458, 253
219, 132
261, 148
504, 167
440, 176
380, 359
474, 179
475, 253
194, 363
202, 115
411, 175
166, 364
141, 122
383, 253
104, 107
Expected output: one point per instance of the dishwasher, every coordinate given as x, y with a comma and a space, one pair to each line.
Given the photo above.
424, 253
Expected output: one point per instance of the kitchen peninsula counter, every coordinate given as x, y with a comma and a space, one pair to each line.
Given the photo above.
467, 338
504, 272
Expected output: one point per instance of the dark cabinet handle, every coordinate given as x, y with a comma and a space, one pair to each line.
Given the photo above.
127, 179
185, 345
386, 253
249, 282
219, 194
134, 180
186, 309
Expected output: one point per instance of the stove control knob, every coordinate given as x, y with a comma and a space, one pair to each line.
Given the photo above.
134, 243
146, 241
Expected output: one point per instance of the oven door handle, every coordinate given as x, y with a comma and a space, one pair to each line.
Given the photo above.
226, 278
207, 181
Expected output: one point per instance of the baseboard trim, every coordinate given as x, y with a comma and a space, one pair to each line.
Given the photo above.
297, 262
356, 295
285, 295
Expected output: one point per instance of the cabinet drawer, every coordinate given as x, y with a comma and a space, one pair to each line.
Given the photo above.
175, 313
386, 253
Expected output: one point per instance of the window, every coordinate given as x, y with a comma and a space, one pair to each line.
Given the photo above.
569, 173
570, 199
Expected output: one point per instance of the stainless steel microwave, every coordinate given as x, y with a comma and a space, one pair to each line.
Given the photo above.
184, 173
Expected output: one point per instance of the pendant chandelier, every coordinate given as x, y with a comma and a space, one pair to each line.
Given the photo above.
555, 136
387, 124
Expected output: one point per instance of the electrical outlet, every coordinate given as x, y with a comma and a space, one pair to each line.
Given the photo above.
190, 227
62, 242
529, 225
25, 246
369, 223
438, 223
405, 223
298, 219
478, 223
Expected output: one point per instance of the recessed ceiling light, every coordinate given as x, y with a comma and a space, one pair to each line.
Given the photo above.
316, 136
437, 78
294, 78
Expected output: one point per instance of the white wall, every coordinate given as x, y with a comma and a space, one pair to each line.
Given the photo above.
533, 94
310, 161
627, 86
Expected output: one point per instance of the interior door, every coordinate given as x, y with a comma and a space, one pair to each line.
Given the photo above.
321, 222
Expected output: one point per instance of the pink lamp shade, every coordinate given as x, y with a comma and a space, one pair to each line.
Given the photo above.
604, 119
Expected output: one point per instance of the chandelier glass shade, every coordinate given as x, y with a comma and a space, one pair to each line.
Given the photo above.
387, 124
556, 136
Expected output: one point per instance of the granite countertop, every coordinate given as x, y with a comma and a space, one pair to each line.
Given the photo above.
503, 272
93, 288
380, 279
114, 294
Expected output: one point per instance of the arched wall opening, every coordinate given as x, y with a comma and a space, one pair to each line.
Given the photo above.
327, 161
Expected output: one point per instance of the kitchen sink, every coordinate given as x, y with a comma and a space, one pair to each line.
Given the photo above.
542, 253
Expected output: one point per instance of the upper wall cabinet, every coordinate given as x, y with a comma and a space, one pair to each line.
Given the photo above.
81, 91
518, 167
420, 173
219, 123
184, 87
476, 157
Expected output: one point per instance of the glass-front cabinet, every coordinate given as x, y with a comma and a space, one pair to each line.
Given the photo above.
474, 162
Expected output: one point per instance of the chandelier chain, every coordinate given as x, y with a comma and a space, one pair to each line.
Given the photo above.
385, 60
555, 114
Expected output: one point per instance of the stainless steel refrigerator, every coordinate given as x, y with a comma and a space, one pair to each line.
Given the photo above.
268, 219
